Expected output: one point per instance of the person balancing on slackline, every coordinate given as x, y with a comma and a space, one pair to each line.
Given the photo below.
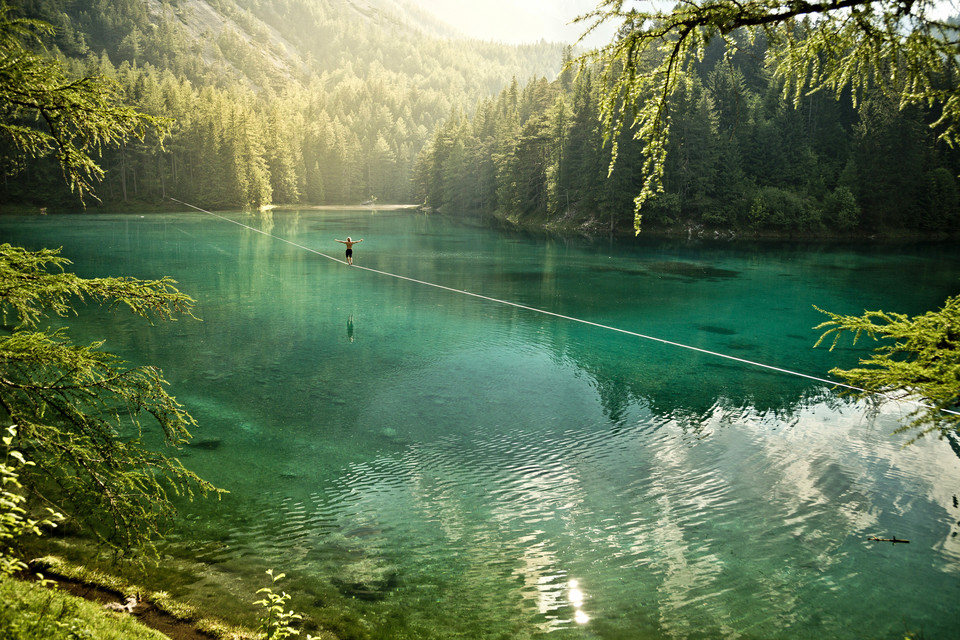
349, 244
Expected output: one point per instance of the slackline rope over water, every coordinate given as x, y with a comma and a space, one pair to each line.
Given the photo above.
580, 320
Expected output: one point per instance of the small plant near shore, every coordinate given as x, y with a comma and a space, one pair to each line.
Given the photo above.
277, 620
13, 517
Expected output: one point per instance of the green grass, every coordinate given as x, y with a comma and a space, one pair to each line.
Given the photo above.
29, 611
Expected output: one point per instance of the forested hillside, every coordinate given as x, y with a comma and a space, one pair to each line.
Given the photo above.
741, 158
342, 101
282, 101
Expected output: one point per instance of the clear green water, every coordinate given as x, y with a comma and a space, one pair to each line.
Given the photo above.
424, 464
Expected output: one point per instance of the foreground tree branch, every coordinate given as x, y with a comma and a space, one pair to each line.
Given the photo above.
919, 358
83, 416
43, 111
81, 413
894, 45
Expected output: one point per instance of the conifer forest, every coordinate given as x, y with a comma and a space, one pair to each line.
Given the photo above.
299, 102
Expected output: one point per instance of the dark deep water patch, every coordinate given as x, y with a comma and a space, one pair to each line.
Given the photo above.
722, 331
679, 270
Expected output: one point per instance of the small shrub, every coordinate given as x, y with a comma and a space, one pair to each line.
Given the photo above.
276, 622
14, 522
841, 208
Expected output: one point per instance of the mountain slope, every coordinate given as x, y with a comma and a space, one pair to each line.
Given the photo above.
270, 43
313, 101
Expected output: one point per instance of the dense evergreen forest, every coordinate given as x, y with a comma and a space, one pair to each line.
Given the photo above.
343, 101
741, 159
270, 101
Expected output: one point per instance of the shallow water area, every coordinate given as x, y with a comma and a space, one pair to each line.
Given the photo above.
428, 464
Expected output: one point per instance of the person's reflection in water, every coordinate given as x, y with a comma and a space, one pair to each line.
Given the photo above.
350, 328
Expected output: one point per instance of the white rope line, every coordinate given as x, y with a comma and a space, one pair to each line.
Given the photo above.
269, 235
586, 322
617, 329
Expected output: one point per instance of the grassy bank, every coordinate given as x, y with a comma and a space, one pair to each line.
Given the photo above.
29, 611
78, 602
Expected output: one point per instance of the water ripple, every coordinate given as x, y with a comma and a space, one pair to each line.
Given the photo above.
685, 528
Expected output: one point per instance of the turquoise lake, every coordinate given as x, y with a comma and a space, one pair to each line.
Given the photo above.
423, 463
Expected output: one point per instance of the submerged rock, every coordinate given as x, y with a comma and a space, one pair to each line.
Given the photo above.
366, 579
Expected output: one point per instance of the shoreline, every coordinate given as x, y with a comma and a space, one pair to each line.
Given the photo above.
564, 226
342, 207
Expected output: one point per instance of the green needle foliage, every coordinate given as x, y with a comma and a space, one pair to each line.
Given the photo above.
44, 111
897, 46
81, 412
28, 288
919, 358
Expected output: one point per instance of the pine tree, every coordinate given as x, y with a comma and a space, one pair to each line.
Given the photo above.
79, 411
